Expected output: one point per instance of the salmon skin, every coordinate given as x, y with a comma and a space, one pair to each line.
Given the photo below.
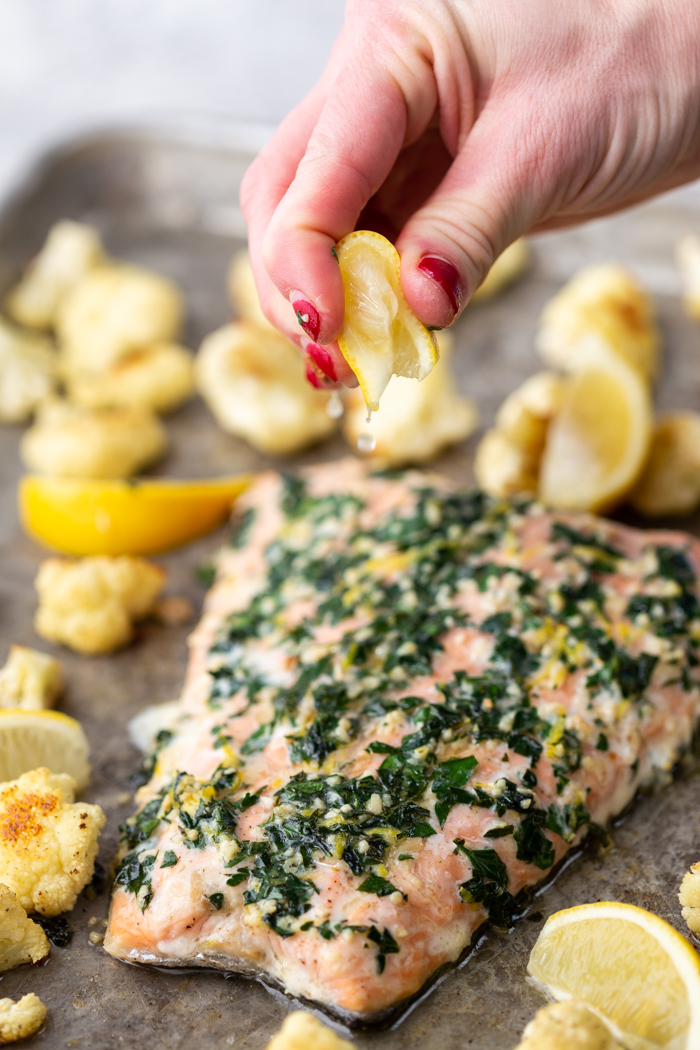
404, 704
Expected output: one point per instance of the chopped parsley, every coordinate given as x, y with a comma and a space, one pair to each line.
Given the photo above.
392, 591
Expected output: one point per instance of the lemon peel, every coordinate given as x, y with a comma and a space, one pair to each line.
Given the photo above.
87, 517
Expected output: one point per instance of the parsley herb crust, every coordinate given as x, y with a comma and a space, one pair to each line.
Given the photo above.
403, 580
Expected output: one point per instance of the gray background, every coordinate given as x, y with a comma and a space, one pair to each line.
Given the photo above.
70, 65
67, 66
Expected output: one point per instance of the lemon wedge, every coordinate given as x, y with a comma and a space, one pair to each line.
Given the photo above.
628, 965
30, 739
599, 441
380, 336
83, 516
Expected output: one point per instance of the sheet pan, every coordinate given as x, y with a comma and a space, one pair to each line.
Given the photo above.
170, 200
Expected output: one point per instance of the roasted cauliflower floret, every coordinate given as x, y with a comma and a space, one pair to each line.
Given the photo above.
303, 1031
48, 842
158, 378
70, 252
19, 1020
28, 372
569, 1025
689, 896
30, 679
688, 257
75, 442
253, 381
415, 421
508, 457
21, 940
118, 309
507, 268
601, 304
503, 468
243, 292
670, 483
91, 605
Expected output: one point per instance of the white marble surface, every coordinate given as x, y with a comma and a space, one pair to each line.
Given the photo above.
70, 65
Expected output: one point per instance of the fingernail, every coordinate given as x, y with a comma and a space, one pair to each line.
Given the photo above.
318, 380
444, 274
322, 359
307, 315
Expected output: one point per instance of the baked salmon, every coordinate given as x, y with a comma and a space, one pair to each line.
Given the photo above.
405, 703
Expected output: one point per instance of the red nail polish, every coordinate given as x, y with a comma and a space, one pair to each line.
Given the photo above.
444, 274
307, 316
322, 359
318, 380
312, 377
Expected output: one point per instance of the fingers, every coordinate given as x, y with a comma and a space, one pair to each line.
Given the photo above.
353, 147
492, 194
326, 366
264, 184
267, 180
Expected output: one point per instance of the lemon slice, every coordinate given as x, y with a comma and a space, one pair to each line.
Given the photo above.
380, 337
630, 966
30, 739
84, 516
598, 442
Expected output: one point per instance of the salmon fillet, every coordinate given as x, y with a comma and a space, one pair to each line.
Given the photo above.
404, 704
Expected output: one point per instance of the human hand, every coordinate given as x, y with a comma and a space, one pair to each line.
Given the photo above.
456, 126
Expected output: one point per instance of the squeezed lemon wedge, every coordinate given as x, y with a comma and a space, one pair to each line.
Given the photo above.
149, 516
30, 739
381, 337
599, 441
629, 966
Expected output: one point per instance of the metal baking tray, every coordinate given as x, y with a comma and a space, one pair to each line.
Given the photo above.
169, 200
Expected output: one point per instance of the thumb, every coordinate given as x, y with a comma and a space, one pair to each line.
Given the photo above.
492, 193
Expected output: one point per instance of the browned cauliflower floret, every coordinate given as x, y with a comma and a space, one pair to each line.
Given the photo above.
253, 381
21, 940
30, 679
415, 421
70, 252
601, 304
28, 371
689, 896
48, 842
569, 1025
243, 293
508, 457
116, 310
19, 1020
159, 378
303, 1031
91, 605
507, 268
670, 483
71, 441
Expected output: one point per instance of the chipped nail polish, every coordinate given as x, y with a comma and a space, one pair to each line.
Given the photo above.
308, 317
313, 377
317, 378
322, 359
444, 274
